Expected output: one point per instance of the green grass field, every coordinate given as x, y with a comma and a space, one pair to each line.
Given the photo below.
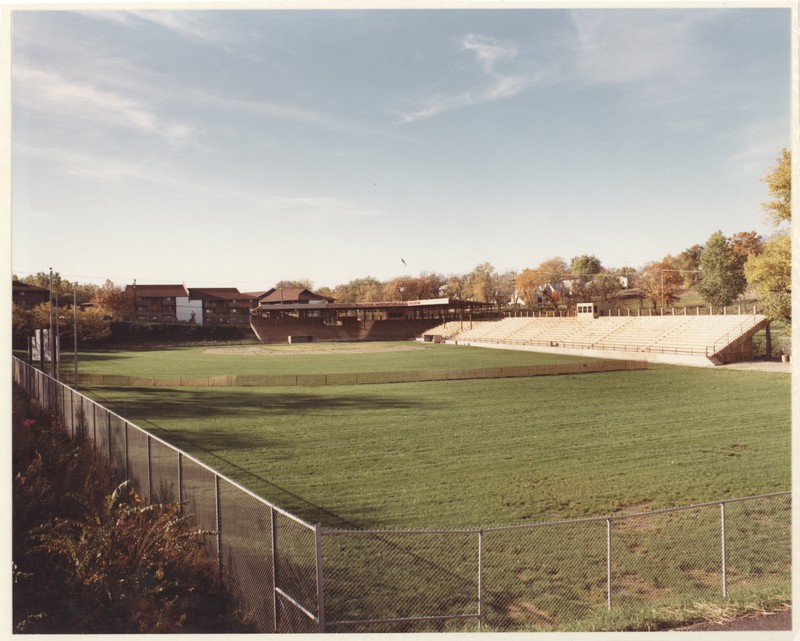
479, 453
308, 358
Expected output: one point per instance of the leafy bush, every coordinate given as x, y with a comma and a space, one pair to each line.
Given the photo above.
148, 333
90, 557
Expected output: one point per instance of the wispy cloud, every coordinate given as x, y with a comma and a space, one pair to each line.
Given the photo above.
76, 100
489, 51
316, 208
757, 144
616, 47
106, 168
188, 24
492, 84
85, 164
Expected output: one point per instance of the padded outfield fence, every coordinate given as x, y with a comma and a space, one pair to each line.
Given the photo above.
362, 378
292, 576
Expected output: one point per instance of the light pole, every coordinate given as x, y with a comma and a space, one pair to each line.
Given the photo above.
56, 351
75, 331
50, 344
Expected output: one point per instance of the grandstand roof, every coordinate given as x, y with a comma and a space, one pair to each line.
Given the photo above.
379, 305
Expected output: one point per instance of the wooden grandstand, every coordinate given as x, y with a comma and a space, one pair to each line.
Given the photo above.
690, 340
379, 321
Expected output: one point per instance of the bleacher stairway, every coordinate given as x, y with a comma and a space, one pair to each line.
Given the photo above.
688, 340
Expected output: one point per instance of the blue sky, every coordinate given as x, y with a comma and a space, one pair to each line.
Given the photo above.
239, 148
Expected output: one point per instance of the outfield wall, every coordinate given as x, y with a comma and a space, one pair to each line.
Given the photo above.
361, 378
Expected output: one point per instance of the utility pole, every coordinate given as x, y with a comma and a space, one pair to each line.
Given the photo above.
56, 354
75, 331
50, 335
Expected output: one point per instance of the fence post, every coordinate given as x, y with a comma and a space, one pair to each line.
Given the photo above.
127, 466
108, 428
320, 586
608, 561
180, 483
219, 526
480, 580
149, 473
94, 422
274, 572
724, 553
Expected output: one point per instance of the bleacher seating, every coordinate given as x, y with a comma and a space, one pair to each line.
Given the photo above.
452, 328
685, 335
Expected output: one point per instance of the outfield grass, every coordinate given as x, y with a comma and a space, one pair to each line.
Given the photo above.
480, 453
311, 358
488, 452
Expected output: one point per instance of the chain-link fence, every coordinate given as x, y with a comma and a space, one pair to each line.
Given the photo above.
544, 575
295, 577
267, 557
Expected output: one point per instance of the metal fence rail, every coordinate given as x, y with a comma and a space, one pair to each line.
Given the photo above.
292, 576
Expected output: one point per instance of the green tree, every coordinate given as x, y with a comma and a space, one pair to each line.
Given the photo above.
605, 286
585, 266
688, 261
456, 287
770, 272
91, 323
770, 275
779, 183
723, 281
482, 283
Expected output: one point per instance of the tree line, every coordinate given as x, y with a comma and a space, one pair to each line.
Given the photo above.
720, 270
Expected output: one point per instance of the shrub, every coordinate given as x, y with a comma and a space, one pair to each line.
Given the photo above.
124, 333
90, 557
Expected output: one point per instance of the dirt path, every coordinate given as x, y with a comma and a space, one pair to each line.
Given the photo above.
772, 621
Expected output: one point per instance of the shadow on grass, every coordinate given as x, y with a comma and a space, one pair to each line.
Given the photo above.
207, 443
188, 403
